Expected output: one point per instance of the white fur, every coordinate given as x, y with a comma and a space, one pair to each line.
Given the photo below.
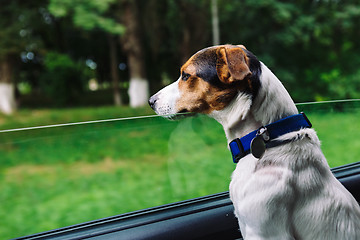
289, 193
273, 101
237, 113
166, 100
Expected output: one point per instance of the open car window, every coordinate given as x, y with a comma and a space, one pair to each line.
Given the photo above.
61, 175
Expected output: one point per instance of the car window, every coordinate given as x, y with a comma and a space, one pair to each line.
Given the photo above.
59, 175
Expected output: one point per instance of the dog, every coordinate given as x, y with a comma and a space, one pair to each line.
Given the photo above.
282, 187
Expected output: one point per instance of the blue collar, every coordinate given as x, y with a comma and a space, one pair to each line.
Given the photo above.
240, 147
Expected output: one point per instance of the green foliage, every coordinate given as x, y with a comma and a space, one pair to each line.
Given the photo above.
312, 46
342, 86
303, 42
17, 22
63, 79
88, 15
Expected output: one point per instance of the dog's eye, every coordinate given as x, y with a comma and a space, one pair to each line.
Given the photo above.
185, 76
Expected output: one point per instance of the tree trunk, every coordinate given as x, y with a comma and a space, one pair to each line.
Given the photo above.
114, 70
7, 89
131, 42
215, 22
194, 28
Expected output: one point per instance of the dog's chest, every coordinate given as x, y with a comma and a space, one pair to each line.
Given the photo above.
260, 195
241, 179
243, 172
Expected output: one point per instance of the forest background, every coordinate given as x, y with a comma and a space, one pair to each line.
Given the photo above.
61, 53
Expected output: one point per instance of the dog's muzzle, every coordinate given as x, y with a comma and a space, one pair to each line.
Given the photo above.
152, 101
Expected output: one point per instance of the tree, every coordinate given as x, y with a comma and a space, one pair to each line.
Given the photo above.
173, 31
132, 45
311, 45
7, 87
11, 44
63, 79
90, 15
18, 37
307, 43
195, 23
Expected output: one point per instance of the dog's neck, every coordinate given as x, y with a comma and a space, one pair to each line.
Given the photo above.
245, 114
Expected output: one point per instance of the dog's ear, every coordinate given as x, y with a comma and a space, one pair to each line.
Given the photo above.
231, 64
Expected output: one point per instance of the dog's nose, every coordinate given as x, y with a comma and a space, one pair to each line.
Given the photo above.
152, 101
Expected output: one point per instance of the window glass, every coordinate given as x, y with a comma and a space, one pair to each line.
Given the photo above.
57, 176
338, 128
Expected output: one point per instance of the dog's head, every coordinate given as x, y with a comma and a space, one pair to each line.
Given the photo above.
209, 81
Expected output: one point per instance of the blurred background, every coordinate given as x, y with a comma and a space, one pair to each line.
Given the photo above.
72, 61
66, 53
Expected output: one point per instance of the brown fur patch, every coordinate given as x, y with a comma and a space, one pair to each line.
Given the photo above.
189, 68
230, 66
199, 96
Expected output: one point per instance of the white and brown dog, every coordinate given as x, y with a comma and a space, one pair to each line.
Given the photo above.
287, 191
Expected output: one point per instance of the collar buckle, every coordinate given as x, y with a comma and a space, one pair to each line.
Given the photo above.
263, 132
258, 143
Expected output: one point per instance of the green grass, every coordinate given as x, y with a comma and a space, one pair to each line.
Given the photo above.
339, 133
56, 177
